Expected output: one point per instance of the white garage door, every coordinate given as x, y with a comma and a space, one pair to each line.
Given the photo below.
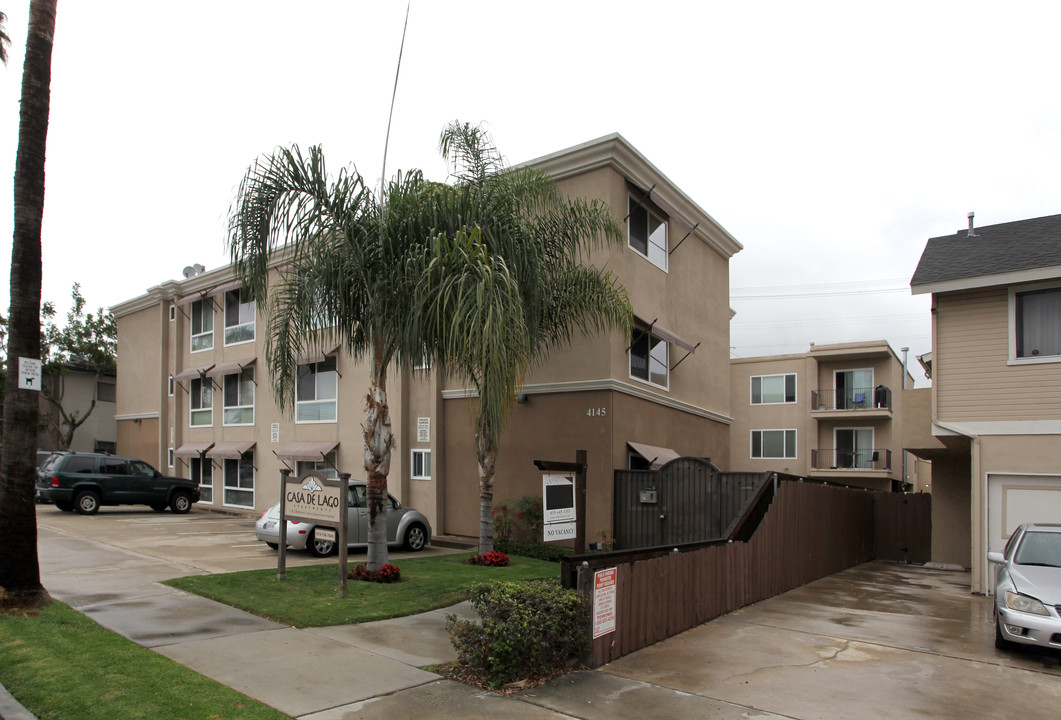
1016, 499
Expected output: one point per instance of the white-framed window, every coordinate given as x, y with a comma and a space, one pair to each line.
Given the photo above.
239, 398
239, 480
201, 402
1035, 324
170, 457
774, 444
202, 471
172, 313
648, 232
202, 325
421, 464
239, 318
316, 392
325, 466
172, 386
854, 448
649, 357
773, 389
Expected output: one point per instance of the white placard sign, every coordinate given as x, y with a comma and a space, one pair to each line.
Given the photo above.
603, 602
29, 374
423, 429
559, 531
558, 494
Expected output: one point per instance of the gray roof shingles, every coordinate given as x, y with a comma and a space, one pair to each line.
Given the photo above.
994, 249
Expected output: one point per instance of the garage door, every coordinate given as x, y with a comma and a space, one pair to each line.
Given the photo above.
1016, 499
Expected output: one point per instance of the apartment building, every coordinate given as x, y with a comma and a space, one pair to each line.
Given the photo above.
832, 413
195, 397
995, 437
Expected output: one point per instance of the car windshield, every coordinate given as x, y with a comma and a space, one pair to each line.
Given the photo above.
1039, 548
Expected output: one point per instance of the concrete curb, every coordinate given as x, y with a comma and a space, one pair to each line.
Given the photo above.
11, 709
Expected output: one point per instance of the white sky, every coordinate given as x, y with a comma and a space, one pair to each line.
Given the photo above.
831, 139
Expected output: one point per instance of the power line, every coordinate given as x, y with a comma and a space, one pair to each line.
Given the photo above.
813, 290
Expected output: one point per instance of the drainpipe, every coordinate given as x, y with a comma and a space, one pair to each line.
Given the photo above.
906, 476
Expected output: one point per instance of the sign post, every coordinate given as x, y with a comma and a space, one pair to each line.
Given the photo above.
564, 500
313, 498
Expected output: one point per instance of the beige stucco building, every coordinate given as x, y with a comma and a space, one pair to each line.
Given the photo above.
833, 413
194, 394
995, 438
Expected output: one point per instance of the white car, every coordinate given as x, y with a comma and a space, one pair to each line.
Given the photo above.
405, 527
1028, 587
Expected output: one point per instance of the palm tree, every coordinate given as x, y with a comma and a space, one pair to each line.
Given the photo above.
20, 572
349, 275
5, 40
526, 225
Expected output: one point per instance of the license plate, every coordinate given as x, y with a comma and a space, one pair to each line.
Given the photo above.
325, 534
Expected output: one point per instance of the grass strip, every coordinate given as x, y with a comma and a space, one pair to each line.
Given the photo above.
308, 597
60, 664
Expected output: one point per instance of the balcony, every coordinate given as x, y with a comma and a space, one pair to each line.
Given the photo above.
851, 460
866, 402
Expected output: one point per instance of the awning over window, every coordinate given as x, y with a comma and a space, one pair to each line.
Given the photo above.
316, 355
229, 368
308, 451
191, 373
189, 299
229, 450
664, 333
224, 288
193, 450
657, 456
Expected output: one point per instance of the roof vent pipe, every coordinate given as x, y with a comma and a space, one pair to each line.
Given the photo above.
972, 233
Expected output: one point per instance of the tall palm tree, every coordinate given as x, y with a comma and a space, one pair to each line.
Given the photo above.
5, 40
20, 572
525, 224
349, 273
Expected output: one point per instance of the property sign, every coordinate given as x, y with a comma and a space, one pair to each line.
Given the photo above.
423, 429
558, 494
603, 602
310, 500
29, 374
559, 531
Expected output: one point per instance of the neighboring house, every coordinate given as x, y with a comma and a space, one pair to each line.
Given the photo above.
75, 388
995, 404
834, 413
194, 392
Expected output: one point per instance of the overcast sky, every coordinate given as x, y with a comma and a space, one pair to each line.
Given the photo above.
831, 139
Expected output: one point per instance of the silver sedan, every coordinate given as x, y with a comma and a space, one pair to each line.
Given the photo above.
405, 527
1028, 587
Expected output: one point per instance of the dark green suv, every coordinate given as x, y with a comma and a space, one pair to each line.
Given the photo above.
84, 481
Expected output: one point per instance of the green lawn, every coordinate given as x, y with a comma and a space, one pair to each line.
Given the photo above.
60, 664
309, 596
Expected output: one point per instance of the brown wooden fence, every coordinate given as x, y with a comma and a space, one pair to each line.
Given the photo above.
809, 531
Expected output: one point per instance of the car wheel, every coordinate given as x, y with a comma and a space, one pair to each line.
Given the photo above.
415, 537
273, 546
1000, 640
86, 502
319, 548
181, 503
158, 507
65, 505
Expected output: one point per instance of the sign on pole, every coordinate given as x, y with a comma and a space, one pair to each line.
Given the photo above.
603, 602
29, 374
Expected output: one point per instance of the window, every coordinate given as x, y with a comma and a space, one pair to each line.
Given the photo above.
778, 444
172, 313
854, 448
239, 480
1037, 323
202, 471
648, 233
239, 398
113, 466
316, 392
170, 457
202, 326
854, 389
105, 392
239, 318
421, 464
773, 389
201, 399
648, 357
326, 467
171, 386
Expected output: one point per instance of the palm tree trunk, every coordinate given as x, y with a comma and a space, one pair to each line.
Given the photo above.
20, 584
487, 452
378, 443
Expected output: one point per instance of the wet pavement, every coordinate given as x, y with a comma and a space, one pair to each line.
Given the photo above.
878, 641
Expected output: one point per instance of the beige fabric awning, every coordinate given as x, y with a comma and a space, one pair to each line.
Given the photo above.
316, 355
189, 299
309, 451
193, 450
229, 368
224, 288
191, 373
662, 332
229, 450
658, 456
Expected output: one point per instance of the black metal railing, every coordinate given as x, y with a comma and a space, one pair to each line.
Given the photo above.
834, 459
879, 397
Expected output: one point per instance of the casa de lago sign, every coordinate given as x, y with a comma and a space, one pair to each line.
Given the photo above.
312, 499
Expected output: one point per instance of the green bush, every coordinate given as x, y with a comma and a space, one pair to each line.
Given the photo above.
525, 630
536, 550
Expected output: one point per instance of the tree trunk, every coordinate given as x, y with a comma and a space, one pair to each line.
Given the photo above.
20, 584
378, 444
487, 452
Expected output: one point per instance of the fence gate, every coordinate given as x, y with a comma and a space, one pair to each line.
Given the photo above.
686, 500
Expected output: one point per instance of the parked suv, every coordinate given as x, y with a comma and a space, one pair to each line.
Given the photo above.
84, 481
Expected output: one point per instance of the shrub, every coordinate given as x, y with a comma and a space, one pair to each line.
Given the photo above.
537, 550
525, 630
386, 574
503, 522
493, 558
529, 512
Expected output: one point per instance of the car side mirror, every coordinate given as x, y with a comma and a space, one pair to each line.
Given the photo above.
996, 557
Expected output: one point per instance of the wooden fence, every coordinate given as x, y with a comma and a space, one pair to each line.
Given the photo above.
807, 531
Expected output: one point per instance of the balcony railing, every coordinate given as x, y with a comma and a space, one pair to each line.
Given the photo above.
833, 459
879, 397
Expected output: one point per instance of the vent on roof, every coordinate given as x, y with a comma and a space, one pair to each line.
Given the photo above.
972, 233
